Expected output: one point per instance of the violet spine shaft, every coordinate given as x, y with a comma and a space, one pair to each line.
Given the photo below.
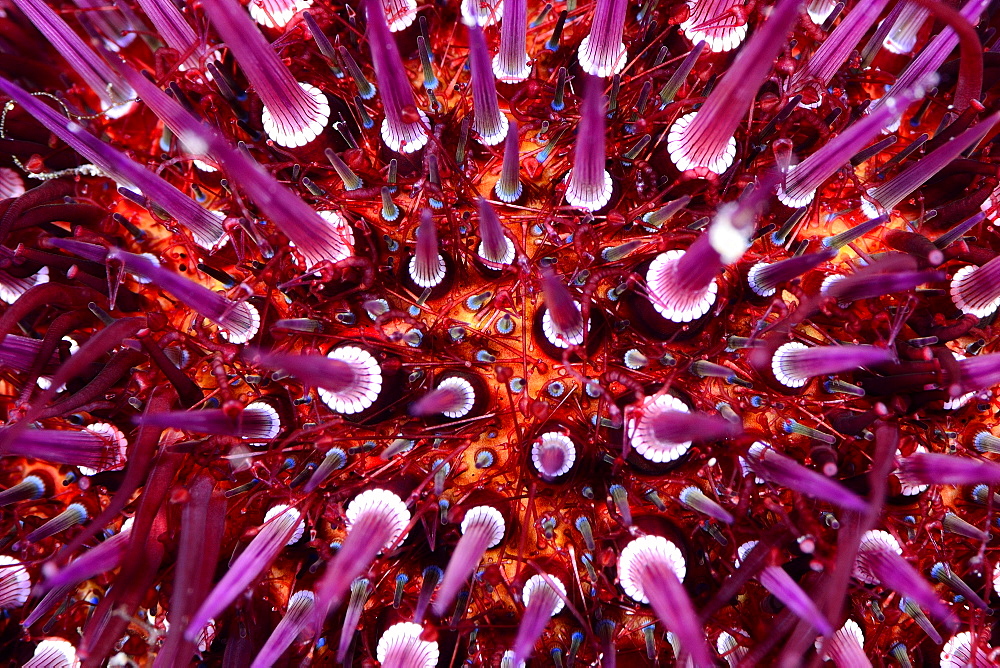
291, 107
468, 552
98, 559
364, 541
783, 470
899, 188
257, 556
777, 581
803, 179
206, 227
589, 184
697, 267
602, 52
675, 611
837, 48
536, 616
677, 426
297, 617
488, 121
393, 85
171, 25
933, 55
510, 65
75, 448
109, 87
706, 138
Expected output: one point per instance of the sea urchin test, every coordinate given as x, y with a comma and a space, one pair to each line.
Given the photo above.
499, 333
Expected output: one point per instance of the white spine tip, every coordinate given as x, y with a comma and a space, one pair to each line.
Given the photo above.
794, 198
116, 439
869, 209
561, 339
424, 278
641, 552
829, 282
743, 550
537, 584
11, 288
873, 541
753, 280
488, 517
408, 137
601, 63
366, 386
675, 307
719, 38
684, 151
338, 223
508, 195
642, 435
588, 196
957, 652
15, 583
781, 365
293, 135
553, 454
242, 324
383, 502
495, 135
840, 646
401, 645
290, 515
54, 653
267, 423
504, 260
510, 75
276, 13
482, 12
907, 487
466, 393
971, 295
729, 649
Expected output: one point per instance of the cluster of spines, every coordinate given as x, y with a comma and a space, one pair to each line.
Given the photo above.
591, 189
